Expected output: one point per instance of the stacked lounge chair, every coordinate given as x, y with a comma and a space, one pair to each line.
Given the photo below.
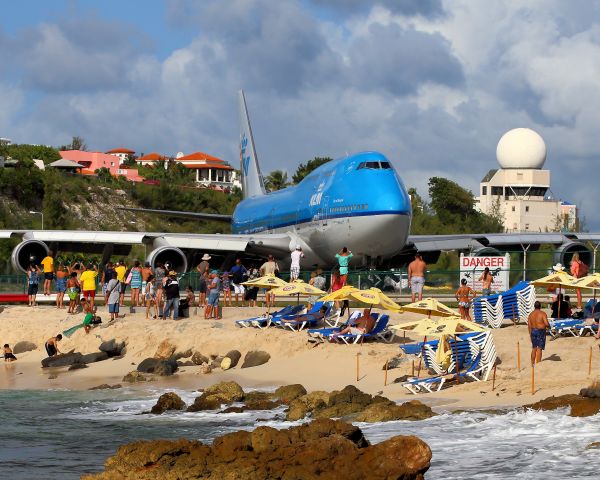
265, 320
515, 303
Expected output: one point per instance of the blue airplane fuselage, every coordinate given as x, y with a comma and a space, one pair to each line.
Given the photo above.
357, 201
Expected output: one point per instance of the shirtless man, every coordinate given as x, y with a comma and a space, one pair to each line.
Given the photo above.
364, 324
52, 345
537, 323
416, 276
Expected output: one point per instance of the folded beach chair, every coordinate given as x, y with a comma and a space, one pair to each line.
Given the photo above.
566, 326
474, 371
416, 348
265, 320
326, 332
422, 385
299, 322
379, 332
584, 329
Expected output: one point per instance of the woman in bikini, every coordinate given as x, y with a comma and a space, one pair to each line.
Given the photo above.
464, 295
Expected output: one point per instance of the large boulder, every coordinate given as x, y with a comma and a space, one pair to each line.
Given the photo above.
24, 346
185, 354
168, 401
323, 449
389, 411
302, 406
165, 349
199, 359
580, 406
288, 393
158, 366
112, 347
62, 360
254, 358
94, 357
214, 396
135, 377
346, 402
234, 356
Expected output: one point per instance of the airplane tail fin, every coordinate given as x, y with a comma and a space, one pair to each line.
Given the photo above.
252, 180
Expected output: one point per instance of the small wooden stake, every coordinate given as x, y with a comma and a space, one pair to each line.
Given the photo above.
413, 366
533, 379
518, 357
514, 318
590, 363
385, 376
357, 368
494, 379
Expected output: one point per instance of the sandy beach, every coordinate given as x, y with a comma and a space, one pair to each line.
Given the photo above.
564, 368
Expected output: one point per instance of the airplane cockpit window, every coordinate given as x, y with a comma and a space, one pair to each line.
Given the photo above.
374, 165
385, 165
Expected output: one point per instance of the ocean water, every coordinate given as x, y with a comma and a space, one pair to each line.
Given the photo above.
63, 434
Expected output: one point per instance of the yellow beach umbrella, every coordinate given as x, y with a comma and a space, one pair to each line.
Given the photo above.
436, 327
430, 307
341, 294
560, 279
375, 298
297, 287
266, 281
591, 282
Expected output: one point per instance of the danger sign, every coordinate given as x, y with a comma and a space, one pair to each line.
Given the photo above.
471, 269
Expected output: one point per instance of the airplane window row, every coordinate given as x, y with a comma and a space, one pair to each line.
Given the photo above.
374, 165
350, 208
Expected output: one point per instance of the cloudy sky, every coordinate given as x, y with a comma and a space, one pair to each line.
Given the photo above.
432, 84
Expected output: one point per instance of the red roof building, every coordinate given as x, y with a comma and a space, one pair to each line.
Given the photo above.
150, 159
211, 171
92, 161
121, 152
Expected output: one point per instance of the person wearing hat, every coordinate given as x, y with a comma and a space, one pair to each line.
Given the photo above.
204, 266
296, 255
171, 291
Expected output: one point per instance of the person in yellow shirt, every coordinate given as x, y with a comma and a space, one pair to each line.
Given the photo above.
88, 283
48, 266
121, 270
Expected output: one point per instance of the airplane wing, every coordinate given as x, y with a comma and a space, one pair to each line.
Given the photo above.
176, 248
217, 217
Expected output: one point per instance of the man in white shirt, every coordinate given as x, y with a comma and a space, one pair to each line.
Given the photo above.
295, 267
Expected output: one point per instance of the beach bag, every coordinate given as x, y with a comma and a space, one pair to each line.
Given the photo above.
129, 277
583, 270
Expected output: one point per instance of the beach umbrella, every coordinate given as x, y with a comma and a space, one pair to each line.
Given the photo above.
375, 298
430, 307
341, 294
268, 281
297, 287
590, 282
558, 279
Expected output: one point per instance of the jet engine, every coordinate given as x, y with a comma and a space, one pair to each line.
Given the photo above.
565, 252
28, 252
171, 255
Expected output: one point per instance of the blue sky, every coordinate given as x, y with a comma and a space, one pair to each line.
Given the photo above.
433, 84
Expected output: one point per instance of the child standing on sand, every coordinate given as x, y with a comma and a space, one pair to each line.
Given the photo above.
150, 296
8, 354
226, 286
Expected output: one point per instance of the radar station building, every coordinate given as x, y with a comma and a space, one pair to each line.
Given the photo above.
519, 191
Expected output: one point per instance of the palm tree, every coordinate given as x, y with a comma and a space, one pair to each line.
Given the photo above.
276, 180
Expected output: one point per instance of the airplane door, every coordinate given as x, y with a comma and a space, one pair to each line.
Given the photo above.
324, 211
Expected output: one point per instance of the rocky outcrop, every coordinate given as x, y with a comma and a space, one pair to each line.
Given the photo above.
323, 449
580, 406
347, 401
254, 358
389, 411
168, 401
135, 376
112, 347
165, 349
24, 346
77, 366
94, 357
199, 359
106, 386
158, 366
62, 360
302, 406
288, 393
216, 395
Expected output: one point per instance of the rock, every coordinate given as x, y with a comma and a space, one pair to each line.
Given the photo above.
77, 366
593, 445
188, 363
205, 369
395, 362
257, 396
389, 411
24, 346
168, 401
591, 392
580, 406
62, 360
214, 396
402, 379
135, 376
287, 393
250, 406
188, 353
348, 401
53, 376
158, 366
112, 348
216, 362
106, 386
199, 359
254, 358
323, 449
225, 363
306, 404
165, 349
235, 356
94, 357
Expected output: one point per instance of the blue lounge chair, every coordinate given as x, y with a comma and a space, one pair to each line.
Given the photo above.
566, 326
265, 320
418, 385
299, 322
327, 332
379, 332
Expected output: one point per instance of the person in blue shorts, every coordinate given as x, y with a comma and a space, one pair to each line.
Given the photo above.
537, 323
214, 287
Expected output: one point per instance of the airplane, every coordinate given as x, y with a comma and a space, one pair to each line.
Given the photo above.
358, 201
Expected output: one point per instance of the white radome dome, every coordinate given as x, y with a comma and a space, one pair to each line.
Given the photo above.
521, 148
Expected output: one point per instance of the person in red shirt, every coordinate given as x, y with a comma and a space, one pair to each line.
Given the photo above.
337, 282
